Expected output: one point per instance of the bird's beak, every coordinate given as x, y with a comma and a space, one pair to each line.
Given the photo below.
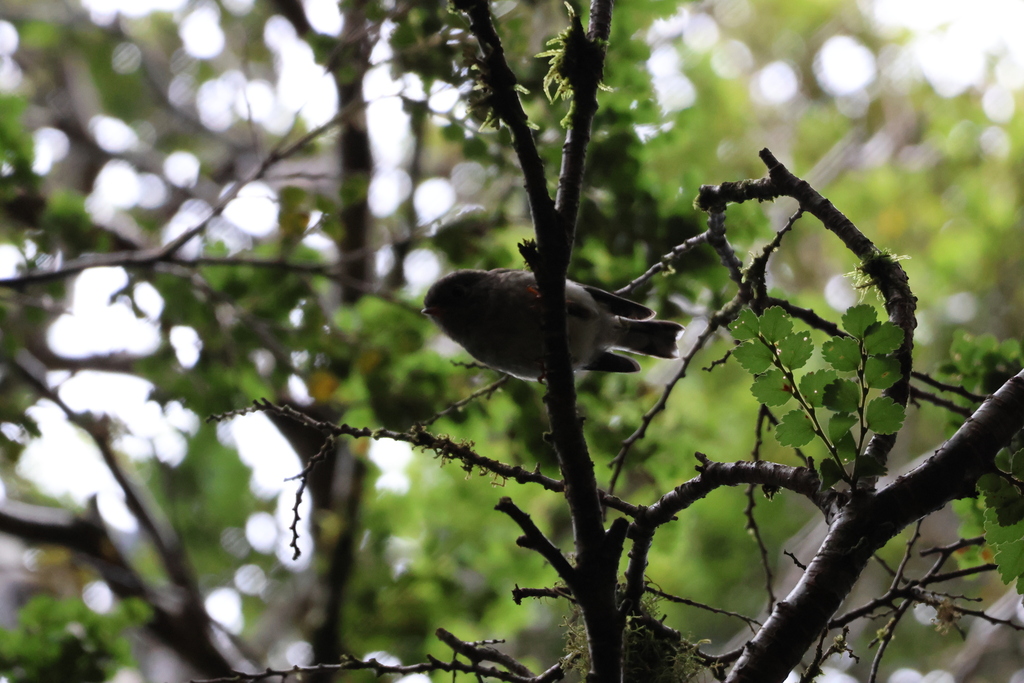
432, 311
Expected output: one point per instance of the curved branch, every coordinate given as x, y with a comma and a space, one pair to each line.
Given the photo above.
884, 271
712, 475
867, 522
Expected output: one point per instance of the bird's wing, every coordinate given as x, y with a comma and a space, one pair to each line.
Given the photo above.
618, 305
611, 362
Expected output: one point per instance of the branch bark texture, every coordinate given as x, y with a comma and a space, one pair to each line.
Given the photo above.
866, 523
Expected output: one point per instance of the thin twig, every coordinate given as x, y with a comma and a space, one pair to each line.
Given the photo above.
619, 461
303, 478
349, 664
519, 593
898, 574
167, 252
796, 560
753, 528
485, 392
477, 652
922, 395
666, 261
726, 253
954, 388
886, 638
749, 621
953, 547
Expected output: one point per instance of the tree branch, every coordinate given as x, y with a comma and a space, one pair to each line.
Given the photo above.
867, 522
712, 475
882, 269
534, 539
549, 259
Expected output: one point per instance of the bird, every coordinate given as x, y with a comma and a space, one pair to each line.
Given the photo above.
496, 316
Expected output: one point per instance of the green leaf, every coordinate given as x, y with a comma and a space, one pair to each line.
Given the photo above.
830, 473
868, 467
1008, 542
846, 447
754, 356
1017, 464
772, 388
840, 424
1002, 496
1004, 459
1012, 512
842, 396
881, 372
795, 429
795, 350
998, 534
745, 326
63, 640
842, 353
775, 324
1010, 558
883, 339
991, 483
812, 386
1010, 348
884, 416
858, 319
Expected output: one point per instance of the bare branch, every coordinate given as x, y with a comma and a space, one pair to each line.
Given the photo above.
519, 593
717, 321
750, 622
665, 263
867, 522
477, 653
755, 530
485, 392
955, 388
534, 539
350, 664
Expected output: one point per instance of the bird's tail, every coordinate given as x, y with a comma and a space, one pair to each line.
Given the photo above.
651, 337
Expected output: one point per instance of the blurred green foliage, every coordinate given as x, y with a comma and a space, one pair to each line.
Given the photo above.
63, 640
919, 173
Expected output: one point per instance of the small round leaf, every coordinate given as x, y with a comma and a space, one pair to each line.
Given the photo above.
775, 324
842, 353
772, 388
754, 356
795, 429
881, 372
745, 326
884, 416
857, 319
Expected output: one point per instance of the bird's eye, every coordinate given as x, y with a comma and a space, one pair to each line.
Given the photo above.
458, 291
